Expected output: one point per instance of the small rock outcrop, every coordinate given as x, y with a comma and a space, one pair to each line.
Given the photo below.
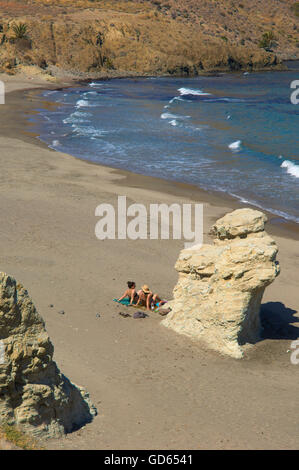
34, 394
218, 295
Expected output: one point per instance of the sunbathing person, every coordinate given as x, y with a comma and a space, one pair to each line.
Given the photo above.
149, 300
145, 297
157, 302
130, 292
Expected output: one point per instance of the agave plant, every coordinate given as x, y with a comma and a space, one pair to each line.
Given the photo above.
20, 30
268, 40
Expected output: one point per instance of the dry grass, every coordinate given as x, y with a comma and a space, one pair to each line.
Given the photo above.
11, 438
148, 36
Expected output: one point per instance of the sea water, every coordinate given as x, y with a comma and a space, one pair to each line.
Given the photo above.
233, 133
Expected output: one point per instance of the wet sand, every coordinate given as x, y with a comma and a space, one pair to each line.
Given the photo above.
153, 388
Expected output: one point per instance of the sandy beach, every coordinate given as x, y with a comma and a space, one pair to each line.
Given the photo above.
153, 389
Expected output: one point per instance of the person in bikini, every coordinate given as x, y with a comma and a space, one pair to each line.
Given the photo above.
130, 292
149, 300
145, 297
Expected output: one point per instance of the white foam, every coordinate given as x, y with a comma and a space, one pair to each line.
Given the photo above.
50, 92
173, 122
72, 120
189, 91
269, 209
175, 98
88, 131
80, 114
77, 116
173, 116
82, 103
291, 168
92, 84
168, 116
235, 145
225, 100
55, 143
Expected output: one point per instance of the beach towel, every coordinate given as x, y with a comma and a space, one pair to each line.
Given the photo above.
126, 303
123, 301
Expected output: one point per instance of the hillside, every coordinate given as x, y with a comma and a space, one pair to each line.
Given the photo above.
183, 37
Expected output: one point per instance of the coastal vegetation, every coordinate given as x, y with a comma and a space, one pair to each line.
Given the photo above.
11, 437
89, 38
20, 30
295, 8
268, 41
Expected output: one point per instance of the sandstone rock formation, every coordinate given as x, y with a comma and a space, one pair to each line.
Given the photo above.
34, 395
218, 295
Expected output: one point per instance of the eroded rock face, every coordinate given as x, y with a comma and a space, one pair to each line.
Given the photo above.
33, 393
218, 295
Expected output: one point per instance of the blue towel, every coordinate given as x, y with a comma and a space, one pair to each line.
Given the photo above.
125, 301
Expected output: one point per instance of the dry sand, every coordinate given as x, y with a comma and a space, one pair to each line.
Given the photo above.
153, 388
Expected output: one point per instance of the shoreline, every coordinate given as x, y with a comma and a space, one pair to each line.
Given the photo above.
278, 223
154, 389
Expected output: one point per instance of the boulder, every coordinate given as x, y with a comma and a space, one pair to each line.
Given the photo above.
239, 223
34, 394
218, 295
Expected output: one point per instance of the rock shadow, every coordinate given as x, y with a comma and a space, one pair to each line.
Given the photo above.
277, 321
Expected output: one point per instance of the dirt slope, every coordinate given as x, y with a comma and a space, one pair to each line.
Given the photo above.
185, 37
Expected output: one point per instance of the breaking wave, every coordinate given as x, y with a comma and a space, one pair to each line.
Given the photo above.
235, 145
291, 168
190, 91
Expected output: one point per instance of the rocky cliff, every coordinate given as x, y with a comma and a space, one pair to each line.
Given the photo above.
186, 37
218, 295
34, 394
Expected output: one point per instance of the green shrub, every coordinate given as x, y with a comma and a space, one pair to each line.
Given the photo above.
20, 30
16, 437
295, 8
268, 41
108, 63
